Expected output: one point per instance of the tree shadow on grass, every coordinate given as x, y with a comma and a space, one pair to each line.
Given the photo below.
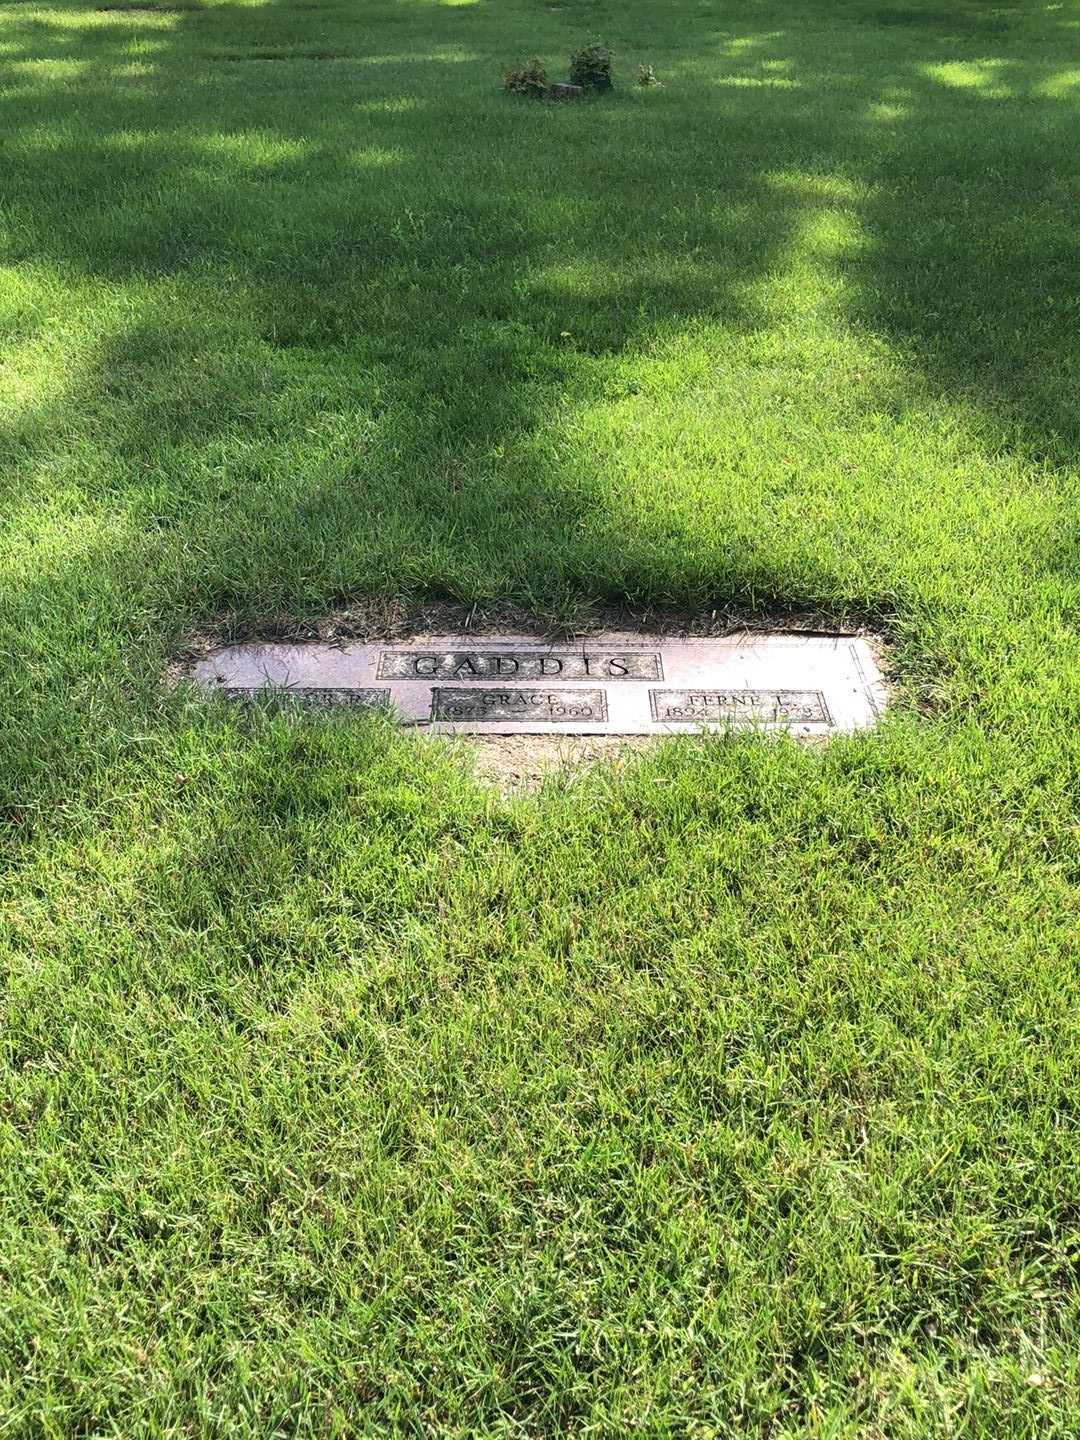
972, 266
447, 317
361, 335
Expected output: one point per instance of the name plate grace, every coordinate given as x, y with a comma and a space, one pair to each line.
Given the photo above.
544, 707
519, 665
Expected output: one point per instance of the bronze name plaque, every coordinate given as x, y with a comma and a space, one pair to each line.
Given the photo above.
517, 665
314, 696
527, 707
750, 707
614, 682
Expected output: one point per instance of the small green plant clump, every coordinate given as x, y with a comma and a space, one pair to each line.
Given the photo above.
528, 77
646, 75
590, 67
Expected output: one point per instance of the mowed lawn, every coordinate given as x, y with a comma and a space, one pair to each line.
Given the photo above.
730, 1091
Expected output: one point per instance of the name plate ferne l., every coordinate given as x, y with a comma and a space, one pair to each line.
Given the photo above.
519, 665
527, 707
733, 707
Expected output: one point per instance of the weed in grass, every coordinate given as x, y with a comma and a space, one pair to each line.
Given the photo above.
591, 66
528, 77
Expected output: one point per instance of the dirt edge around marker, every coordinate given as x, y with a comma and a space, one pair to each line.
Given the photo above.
396, 620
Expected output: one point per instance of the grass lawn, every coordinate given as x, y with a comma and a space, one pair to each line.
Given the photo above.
734, 1091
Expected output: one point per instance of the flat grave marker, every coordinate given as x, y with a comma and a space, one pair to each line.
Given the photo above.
610, 684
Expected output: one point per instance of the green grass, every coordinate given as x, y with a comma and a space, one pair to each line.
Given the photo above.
734, 1092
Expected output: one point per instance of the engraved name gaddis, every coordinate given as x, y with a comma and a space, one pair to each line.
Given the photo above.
527, 707
514, 665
